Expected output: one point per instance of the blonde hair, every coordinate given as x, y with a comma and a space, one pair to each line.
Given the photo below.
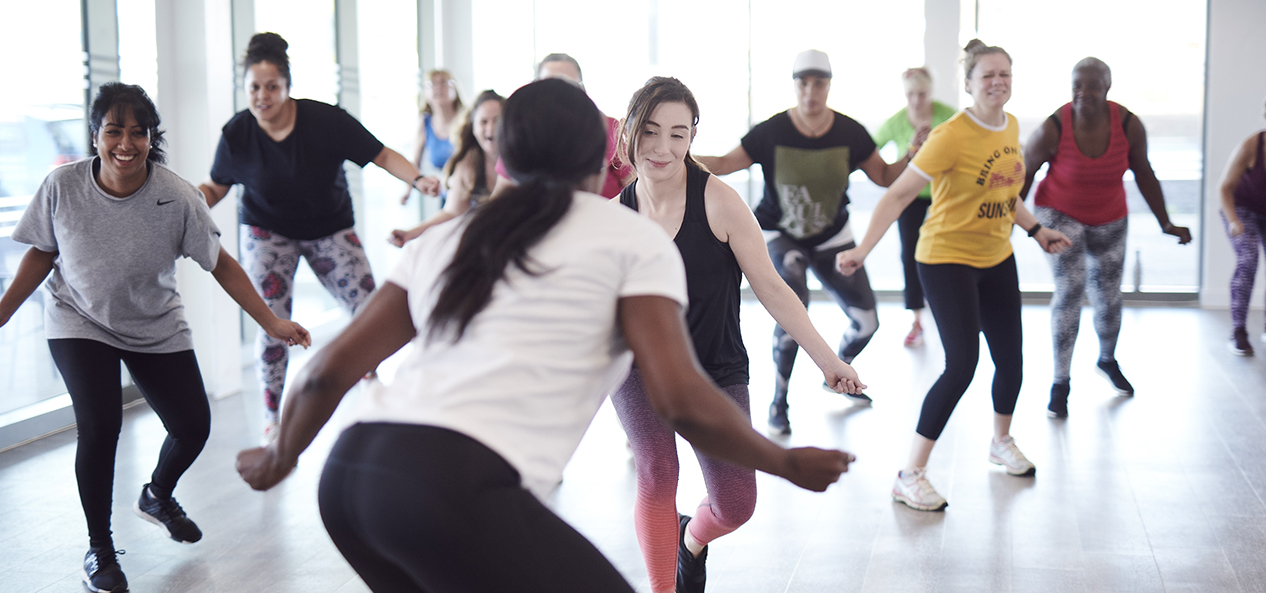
457, 97
976, 48
917, 77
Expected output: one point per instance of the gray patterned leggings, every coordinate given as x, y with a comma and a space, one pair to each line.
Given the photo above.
1095, 261
271, 261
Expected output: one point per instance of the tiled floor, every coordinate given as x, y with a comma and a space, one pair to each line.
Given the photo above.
1162, 492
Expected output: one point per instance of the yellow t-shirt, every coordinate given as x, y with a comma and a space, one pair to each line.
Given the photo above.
976, 172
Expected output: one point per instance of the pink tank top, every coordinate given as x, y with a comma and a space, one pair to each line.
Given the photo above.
1089, 190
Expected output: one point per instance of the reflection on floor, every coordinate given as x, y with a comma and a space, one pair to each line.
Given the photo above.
1162, 492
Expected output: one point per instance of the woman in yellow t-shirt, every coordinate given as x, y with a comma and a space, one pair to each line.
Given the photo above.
965, 262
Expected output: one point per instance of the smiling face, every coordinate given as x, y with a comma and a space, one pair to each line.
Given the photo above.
1090, 89
123, 146
990, 81
663, 143
267, 91
485, 119
811, 94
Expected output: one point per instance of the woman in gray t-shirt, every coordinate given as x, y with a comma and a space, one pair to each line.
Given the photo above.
110, 229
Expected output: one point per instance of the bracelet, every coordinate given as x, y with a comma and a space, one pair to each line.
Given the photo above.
1036, 227
416, 180
1169, 226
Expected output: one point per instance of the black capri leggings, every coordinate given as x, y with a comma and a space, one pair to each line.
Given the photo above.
171, 384
965, 301
426, 509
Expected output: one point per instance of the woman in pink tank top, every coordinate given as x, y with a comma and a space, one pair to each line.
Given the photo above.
1243, 193
1089, 144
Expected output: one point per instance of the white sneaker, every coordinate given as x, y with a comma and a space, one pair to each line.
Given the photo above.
1008, 455
915, 491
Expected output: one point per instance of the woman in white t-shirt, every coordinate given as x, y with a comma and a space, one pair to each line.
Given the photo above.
523, 314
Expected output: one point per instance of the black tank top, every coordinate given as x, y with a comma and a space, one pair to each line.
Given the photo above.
712, 284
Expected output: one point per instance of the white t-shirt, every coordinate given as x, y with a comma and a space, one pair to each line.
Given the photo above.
534, 366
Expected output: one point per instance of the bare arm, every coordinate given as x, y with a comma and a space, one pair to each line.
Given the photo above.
235, 282
32, 271
381, 328
1051, 240
694, 408
899, 195
1148, 184
724, 165
728, 214
884, 174
400, 168
419, 146
461, 186
213, 192
1245, 154
1039, 151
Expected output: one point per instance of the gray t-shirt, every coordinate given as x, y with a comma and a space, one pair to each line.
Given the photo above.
114, 279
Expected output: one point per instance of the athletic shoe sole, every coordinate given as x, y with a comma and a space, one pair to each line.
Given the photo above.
1055, 415
88, 585
1120, 392
136, 506
860, 399
994, 459
1237, 351
925, 508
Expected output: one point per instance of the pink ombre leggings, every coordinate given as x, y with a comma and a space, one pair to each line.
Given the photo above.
731, 489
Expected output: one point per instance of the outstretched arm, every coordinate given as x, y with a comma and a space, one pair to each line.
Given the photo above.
730, 215
1148, 184
884, 174
235, 282
724, 165
694, 408
32, 271
903, 191
381, 328
400, 168
213, 192
461, 186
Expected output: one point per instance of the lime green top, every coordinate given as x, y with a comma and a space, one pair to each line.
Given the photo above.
898, 129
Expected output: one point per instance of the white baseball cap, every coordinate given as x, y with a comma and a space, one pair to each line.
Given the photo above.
811, 63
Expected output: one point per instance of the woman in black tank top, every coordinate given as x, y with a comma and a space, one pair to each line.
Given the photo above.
719, 242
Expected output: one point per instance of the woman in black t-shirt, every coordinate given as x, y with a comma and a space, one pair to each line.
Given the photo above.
288, 154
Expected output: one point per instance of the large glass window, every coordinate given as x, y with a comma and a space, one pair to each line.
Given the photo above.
1156, 51
41, 127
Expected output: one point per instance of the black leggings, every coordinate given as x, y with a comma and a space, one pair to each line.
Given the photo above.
908, 225
171, 384
426, 509
965, 301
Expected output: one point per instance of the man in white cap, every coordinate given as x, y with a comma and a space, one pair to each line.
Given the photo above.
806, 154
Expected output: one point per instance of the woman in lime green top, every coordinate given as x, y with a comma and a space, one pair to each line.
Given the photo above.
917, 118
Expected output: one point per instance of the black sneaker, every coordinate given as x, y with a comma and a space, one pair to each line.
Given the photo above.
778, 422
1112, 372
1058, 408
168, 515
860, 399
1240, 344
102, 571
691, 574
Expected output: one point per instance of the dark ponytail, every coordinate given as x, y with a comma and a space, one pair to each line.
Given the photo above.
271, 48
551, 138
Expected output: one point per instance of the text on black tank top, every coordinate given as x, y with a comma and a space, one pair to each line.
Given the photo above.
712, 284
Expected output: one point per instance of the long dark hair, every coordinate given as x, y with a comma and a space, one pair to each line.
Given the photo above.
465, 144
271, 48
657, 91
552, 138
112, 97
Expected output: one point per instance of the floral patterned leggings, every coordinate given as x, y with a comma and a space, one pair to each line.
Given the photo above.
271, 261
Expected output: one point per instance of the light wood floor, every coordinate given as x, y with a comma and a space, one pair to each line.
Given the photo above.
1162, 492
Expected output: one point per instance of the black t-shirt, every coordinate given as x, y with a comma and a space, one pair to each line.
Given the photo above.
806, 179
295, 187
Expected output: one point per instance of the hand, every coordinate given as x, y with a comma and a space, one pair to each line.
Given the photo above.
848, 262
1051, 240
920, 136
842, 377
262, 467
405, 198
1235, 229
290, 332
1183, 233
814, 469
400, 237
428, 185
5, 318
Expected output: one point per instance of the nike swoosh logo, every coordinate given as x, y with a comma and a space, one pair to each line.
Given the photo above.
160, 202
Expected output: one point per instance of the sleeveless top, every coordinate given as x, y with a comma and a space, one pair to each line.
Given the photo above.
712, 285
1250, 192
1089, 190
438, 150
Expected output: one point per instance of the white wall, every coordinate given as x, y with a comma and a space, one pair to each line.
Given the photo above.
1235, 89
